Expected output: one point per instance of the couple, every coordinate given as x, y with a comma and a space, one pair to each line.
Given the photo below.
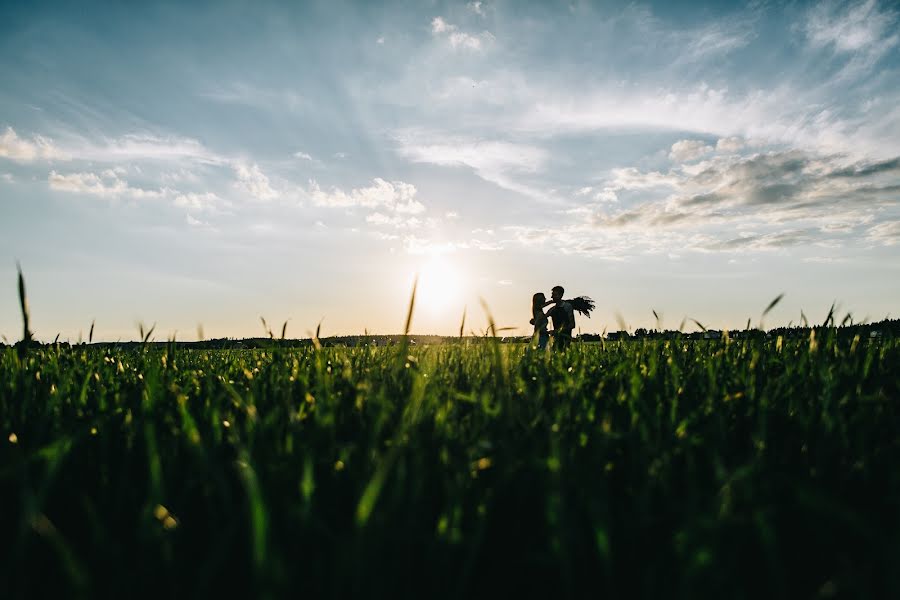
562, 314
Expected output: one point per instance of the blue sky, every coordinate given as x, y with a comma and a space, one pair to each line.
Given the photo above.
192, 163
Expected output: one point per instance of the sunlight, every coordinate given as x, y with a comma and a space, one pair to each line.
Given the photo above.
440, 287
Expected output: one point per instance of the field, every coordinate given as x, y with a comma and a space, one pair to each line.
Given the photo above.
758, 468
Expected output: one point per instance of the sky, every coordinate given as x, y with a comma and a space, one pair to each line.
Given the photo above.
207, 164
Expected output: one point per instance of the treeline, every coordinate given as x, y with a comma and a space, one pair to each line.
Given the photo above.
886, 328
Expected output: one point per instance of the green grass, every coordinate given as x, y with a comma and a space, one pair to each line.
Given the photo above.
657, 469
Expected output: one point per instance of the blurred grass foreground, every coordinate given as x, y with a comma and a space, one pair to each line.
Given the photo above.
751, 468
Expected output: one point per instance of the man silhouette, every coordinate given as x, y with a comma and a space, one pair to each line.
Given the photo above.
563, 317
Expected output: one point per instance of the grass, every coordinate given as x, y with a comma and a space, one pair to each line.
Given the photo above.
741, 469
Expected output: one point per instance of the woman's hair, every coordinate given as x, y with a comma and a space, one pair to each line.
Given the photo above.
538, 301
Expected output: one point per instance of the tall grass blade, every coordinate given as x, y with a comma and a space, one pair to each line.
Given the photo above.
412, 305
829, 319
23, 305
773, 303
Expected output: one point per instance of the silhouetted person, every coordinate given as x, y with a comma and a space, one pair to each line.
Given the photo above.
539, 320
563, 316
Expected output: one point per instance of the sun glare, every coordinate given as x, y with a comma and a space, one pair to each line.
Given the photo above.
440, 287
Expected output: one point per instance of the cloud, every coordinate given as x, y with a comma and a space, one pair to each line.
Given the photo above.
477, 8
396, 220
689, 150
393, 196
887, 234
106, 185
240, 93
499, 162
7, 177
769, 241
254, 182
459, 39
730, 144
303, 156
142, 147
860, 33
198, 203
513, 105
790, 197
439, 25
23, 150
764, 202
851, 27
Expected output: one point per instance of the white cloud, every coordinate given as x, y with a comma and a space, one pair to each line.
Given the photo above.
714, 39
396, 220
887, 233
303, 155
7, 177
457, 38
23, 150
689, 150
141, 147
194, 222
439, 25
107, 185
196, 202
498, 162
476, 7
394, 196
851, 27
254, 182
782, 113
730, 144
179, 176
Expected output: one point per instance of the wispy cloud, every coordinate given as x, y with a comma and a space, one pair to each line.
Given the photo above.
20, 149
394, 196
862, 32
244, 94
477, 7
137, 147
496, 161
457, 38
106, 185
206, 202
887, 234
852, 27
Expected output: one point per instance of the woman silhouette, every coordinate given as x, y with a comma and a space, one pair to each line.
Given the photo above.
539, 320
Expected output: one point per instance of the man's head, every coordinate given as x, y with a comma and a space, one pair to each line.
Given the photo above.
557, 293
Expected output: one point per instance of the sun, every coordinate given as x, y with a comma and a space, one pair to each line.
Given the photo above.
440, 286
